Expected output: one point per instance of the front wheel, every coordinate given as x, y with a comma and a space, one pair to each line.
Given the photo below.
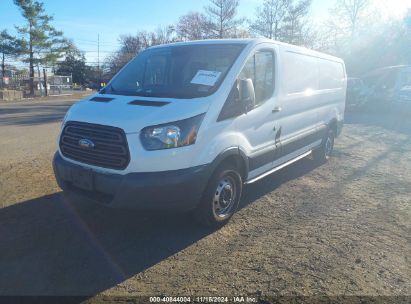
323, 153
221, 197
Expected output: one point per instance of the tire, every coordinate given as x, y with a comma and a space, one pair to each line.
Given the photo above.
221, 197
323, 153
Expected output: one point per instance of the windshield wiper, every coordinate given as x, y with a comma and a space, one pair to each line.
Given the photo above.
107, 90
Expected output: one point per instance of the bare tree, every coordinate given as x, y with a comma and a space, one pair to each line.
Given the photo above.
269, 18
348, 27
222, 20
192, 26
295, 29
240, 33
163, 35
348, 15
131, 45
327, 39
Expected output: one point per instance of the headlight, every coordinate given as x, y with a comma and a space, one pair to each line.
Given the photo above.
171, 135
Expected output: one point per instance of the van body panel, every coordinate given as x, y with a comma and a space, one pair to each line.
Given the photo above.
132, 118
301, 95
170, 190
258, 128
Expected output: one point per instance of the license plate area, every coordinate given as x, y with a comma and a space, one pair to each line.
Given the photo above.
82, 178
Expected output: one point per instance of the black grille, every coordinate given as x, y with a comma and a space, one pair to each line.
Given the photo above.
110, 145
101, 99
148, 103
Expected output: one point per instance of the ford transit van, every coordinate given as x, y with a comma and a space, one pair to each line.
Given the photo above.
185, 126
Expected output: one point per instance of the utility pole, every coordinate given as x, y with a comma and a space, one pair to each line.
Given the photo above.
45, 82
98, 59
3, 67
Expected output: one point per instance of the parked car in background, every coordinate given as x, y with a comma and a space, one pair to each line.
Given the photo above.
357, 93
388, 84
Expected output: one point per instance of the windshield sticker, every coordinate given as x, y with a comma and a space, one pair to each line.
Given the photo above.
208, 78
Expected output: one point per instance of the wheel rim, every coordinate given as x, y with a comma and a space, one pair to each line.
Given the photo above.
329, 145
225, 196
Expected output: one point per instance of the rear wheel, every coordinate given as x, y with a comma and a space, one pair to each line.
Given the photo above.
323, 153
221, 197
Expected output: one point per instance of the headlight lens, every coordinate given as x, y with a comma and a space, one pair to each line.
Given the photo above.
171, 135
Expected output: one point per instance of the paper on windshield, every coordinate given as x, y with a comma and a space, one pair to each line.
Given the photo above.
208, 78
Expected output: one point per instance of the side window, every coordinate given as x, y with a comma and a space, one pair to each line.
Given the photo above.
249, 70
264, 82
260, 69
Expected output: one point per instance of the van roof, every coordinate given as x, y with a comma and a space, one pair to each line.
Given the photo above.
254, 41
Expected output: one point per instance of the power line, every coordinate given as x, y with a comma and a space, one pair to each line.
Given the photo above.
98, 50
92, 42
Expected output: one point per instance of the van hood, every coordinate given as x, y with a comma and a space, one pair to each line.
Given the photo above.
133, 113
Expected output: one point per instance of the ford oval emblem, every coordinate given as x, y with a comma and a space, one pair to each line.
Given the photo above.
86, 143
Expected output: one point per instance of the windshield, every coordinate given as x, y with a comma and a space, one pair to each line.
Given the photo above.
187, 71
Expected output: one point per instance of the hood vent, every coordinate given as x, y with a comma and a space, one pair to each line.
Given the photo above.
101, 99
148, 103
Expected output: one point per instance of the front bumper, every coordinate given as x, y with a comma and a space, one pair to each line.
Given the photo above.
177, 189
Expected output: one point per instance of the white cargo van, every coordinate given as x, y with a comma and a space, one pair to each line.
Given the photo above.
186, 125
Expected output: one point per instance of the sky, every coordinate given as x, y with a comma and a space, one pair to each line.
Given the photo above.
84, 20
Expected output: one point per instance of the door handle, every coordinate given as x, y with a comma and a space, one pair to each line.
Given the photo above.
276, 110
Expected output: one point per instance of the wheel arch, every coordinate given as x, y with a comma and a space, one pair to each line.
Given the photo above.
235, 156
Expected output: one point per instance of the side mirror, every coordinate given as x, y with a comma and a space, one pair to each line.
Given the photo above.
247, 93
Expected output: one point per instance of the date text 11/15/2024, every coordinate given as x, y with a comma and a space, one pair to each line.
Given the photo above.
208, 299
